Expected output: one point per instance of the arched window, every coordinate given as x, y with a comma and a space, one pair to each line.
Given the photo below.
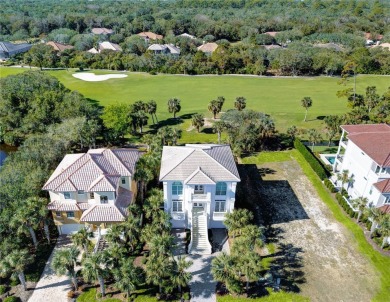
220, 188
177, 188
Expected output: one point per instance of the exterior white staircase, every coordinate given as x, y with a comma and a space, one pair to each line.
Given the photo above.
199, 233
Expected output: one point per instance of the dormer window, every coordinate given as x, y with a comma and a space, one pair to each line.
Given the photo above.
67, 195
91, 195
123, 180
103, 199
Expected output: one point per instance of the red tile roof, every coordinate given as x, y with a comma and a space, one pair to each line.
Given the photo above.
58, 46
383, 186
373, 139
385, 208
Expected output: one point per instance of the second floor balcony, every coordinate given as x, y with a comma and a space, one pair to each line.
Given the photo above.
200, 197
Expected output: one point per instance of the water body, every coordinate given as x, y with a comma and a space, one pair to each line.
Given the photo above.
4, 151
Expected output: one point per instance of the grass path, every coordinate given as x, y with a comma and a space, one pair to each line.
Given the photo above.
279, 97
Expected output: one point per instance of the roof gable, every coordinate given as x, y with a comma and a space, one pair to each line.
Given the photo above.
199, 177
383, 186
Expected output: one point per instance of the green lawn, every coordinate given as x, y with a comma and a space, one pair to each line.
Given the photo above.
271, 297
380, 262
279, 97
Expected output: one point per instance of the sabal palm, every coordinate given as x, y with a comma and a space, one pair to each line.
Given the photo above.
158, 268
15, 264
344, 177
306, 102
94, 269
252, 234
151, 108
132, 231
114, 253
114, 234
250, 266
314, 137
181, 277
174, 106
236, 220
215, 107
128, 277
153, 203
175, 134
64, 263
240, 103
197, 121
143, 175
376, 215
160, 244
360, 204
219, 127
222, 268
81, 239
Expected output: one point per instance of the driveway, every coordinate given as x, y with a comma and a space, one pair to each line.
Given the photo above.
316, 255
51, 287
202, 284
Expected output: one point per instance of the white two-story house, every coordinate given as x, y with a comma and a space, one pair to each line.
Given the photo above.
364, 150
93, 188
199, 184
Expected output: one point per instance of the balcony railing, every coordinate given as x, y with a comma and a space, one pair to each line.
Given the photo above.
219, 215
201, 197
178, 215
344, 143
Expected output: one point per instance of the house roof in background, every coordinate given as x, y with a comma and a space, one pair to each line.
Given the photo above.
97, 170
200, 161
109, 45
272, 33
101, 31
383, 186
59, 46
373, 139
368, 36
208, 47
150, 35
187, 36
11, 47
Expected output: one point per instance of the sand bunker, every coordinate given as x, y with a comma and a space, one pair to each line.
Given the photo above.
91, 77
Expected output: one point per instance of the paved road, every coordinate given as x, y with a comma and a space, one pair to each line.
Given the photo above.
51, 287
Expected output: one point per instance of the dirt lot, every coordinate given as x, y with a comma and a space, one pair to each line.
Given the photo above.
315, 255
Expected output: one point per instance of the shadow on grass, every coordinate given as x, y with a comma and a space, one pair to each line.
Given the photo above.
208, 131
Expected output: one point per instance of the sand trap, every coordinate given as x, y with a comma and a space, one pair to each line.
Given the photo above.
91, 77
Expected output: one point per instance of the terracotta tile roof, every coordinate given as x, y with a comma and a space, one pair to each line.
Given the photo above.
372, 139
368, 36
102, 31
58, 46
64, 206
150, 35
214, 161
208, 47
383, 186
272, 33
385, 208
97, 170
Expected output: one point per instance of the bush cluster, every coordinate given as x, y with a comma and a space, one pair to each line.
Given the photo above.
3, 289
343, 203
316, 165
330, 185
12, 299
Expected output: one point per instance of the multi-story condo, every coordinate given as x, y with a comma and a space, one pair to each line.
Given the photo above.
364, 150
92, 189
199, 189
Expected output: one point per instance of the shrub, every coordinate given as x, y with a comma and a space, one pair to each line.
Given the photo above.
12, 299
186, 296
330, 185
14, 282
316, 165
3, 289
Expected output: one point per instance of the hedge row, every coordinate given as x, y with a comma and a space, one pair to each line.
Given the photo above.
330, 185
316, 165
343, 203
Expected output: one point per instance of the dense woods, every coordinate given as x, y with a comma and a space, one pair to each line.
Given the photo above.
312, 37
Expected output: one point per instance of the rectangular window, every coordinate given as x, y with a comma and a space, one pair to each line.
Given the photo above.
199, 189
91, 195
220, 206
387, 200
123, 180
70, 214
378, 168
370, 190
58, 214
177, 206
80, 192
67, 195
103, 199
177, 188
220, 189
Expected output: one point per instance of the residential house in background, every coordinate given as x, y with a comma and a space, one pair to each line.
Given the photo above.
102, 31
185, 35
92, 189
148, 35
364, 150
208, 48
164, 49
199, 183
7, 49
372, 39
59, 46
106, 46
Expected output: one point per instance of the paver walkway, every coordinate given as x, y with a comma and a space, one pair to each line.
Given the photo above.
51, 287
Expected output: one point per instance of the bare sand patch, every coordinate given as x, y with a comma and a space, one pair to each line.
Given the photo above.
91, 77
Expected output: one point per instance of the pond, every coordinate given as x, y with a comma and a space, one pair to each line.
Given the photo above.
4, 151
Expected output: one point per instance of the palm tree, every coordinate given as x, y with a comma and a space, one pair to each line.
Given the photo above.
151, 108
114, 253
360, 203
64, 263
94, 269
215, 106
236, 220
128, 277
250, 266
153, 203
222, 268
158, 268
314, 137
175, 134
292, 132
160, 244
81, 239
344, 177
174, 106
306, 102
132, 231
15, 264
252, 235
143, 175
181, 277
384, 228
198, 121
376, 216
218, 127
240, 103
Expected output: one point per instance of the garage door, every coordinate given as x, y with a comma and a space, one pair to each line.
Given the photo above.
69, 228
